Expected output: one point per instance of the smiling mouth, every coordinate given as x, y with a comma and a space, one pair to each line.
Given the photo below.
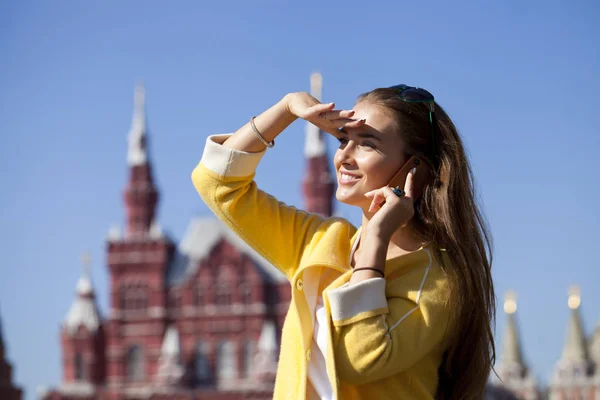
346, 179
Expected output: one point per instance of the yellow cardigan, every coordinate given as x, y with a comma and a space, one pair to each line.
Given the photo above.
386, 336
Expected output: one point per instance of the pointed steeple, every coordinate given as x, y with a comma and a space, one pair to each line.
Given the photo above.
1, 342
83, 311
574, 363
511, 353
575, 349
136, 152
141, 195
7, 389
1, 338
318, 184
315, 143
594, 347
512, 373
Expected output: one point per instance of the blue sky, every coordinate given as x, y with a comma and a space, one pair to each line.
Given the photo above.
519, 79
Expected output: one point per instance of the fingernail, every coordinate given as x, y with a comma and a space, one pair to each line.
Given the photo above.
414, 170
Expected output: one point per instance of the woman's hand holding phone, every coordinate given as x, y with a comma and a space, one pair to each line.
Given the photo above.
395, 212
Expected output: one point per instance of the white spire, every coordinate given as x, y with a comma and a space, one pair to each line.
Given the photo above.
83, 311
574, 363
575, 344
136, 152
595, 347
511, 353
315, 144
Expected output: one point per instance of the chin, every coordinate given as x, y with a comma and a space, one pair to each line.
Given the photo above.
351, 199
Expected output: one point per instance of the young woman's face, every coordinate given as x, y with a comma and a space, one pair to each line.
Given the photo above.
368, 157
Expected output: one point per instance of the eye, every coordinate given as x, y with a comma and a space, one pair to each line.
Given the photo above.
368, 144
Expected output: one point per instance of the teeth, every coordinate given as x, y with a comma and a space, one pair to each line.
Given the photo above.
346, 177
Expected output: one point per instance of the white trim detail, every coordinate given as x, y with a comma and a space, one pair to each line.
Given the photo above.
349, 301
418, 293
225, 161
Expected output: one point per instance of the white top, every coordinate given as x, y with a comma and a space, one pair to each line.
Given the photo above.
319, 386
83, 310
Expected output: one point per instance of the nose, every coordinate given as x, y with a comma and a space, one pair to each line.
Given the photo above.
345, 153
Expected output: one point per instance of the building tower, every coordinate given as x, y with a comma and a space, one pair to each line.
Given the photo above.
83, 338
572, 373
318, 184
137, 262
512, 371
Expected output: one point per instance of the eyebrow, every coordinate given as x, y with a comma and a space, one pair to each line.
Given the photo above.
364, 135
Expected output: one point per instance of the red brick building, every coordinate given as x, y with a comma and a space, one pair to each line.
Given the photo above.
196, 320
7, 389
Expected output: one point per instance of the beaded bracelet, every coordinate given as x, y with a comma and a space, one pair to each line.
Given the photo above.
260, 137
370, 269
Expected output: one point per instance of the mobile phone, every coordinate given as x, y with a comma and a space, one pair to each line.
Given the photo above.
419, 180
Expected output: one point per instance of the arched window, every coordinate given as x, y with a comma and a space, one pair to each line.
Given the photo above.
226, 361
202, 364
249, 350
223, 294
246, 293
79, 367
135, 363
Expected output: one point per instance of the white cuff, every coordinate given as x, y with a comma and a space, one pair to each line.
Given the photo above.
225, 161
348, 301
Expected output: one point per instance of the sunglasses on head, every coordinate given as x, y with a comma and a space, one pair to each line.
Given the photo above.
411, 94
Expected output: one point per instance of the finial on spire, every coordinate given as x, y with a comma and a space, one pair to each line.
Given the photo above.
136, 154
84, 285
316, 85
139, 99
86, 262
574, 297
510, 302
315, 144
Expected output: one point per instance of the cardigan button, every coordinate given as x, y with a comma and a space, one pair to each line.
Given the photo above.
308, 354
299, 284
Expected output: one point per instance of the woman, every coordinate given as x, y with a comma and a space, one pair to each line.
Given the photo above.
398, 309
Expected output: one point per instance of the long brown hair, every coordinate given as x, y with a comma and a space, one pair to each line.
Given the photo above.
447, 215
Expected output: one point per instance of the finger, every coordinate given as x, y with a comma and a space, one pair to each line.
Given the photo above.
372, 193
409, 184
355, 123
337, 114
321, 108
341, 122
376, 203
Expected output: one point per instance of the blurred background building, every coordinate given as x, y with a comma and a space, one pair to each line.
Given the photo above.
576, 374
202, 318
8, 390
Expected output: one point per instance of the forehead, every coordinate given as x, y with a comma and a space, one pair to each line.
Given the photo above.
377, 120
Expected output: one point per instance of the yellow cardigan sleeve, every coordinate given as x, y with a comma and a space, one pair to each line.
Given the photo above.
224, 180
377, 335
